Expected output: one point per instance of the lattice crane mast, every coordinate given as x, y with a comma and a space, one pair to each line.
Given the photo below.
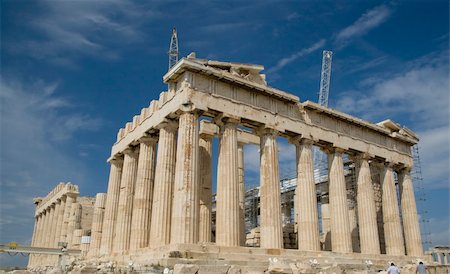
173, 49
320, 159
325, 78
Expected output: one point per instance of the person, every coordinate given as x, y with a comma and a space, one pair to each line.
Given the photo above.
393, 269
421, 268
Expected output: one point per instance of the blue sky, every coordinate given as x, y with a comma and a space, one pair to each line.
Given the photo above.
74, 72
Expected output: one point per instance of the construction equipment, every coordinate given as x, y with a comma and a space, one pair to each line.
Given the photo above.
173, 49
320, 159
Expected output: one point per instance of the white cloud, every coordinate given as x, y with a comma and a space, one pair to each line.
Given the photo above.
37, 127
69, 29
369, 20
287, 60
420, 97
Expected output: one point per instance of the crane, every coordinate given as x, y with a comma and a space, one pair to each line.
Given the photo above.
320, 159
173, 49
325, 78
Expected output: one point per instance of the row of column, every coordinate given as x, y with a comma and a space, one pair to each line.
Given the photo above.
140, 211
55, 224
396, 238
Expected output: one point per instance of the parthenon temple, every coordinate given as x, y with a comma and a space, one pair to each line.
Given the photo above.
158, 207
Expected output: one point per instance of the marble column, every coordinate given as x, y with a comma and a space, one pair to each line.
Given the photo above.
53, 213
305, 195
241, 194
367, 214
270, 205
411, 228
45, 226
33, 240
97, 224
163, 188
125, 205
186, 201
112, 200
142, 203
60, 214
70, 199
391, 214
205, 157
326, 223
341, 240
227, 199
74, 222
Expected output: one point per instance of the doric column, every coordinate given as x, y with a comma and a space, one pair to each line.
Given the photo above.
270, 206
112, 200
33, 240
241, 194
164, 180
97, 223
70, 199
227, 200
186, 190
53, 213
205, 154
367, 214
391, 215
326, 224
411, 227
59, 222
142, 204
305, 195
341, 240
125, 206
45, 226
74, 222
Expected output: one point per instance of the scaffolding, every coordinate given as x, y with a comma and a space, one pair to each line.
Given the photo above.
421, 199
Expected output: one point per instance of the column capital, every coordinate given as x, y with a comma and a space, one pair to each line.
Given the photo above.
405, 168
300, 140
131, 151
334, 149
263, 130
148, 140
359, 156
223, 119
116, 160
168, 124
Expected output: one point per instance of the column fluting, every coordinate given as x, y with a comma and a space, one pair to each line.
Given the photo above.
411, 227
305, 195
367, 214
185, 209
60, 220
70, 199
142, 203
125, 205
74, 222
163, 188
270, 205
227, 200
112, 201
391, 214
341, 240
205, 156
97, 224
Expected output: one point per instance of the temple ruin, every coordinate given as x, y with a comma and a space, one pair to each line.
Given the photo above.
158, 205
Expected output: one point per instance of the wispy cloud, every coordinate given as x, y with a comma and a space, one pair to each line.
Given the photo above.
67, 30
36, 125
422, 90
303, 52
369, 20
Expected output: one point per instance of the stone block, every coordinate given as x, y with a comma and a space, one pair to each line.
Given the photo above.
213, 269
185, 269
